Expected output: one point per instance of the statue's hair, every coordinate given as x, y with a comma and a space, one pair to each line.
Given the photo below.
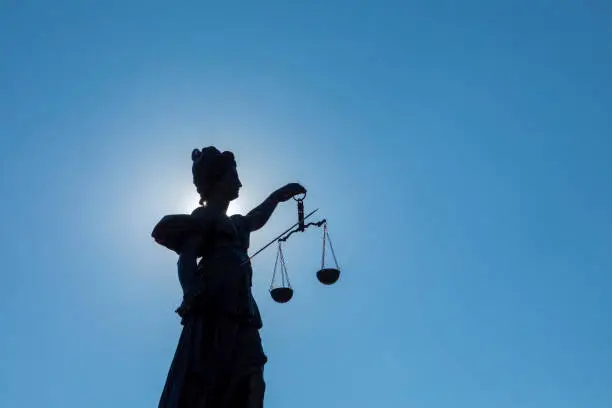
209, 165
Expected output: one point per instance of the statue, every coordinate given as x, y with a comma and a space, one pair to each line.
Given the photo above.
219, 360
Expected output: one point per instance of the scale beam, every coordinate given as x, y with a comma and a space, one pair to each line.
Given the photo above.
325, 275
278, 237
301, 228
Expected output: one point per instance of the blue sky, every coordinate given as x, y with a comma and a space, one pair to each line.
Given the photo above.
460, 151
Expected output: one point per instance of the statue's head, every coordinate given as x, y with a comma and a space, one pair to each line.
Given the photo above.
214, 174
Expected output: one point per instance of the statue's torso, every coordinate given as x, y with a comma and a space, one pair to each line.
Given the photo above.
225, 271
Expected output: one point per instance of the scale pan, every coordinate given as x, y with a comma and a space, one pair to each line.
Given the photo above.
281, 295
328, 276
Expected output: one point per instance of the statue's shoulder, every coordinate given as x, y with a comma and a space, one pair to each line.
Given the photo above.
173, 229
203, 214
237, 218
242, 229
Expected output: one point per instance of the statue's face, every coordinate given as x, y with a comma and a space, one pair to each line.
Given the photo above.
230, 184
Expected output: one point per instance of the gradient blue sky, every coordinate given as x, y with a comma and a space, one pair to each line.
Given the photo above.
460, 150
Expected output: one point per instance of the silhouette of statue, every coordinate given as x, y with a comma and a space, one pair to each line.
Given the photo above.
219, 359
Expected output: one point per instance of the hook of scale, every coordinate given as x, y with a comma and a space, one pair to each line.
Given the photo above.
326, 275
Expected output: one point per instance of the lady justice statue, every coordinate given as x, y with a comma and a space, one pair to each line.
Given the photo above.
219, 359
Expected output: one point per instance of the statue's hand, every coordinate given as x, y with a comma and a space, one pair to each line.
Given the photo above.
287, 192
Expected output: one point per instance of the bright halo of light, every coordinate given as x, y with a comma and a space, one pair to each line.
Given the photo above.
234, 207
191, 201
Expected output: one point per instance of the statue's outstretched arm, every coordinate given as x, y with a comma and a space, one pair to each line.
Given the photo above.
259, 216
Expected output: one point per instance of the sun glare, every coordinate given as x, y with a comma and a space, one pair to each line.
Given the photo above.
190, 202
234, 207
